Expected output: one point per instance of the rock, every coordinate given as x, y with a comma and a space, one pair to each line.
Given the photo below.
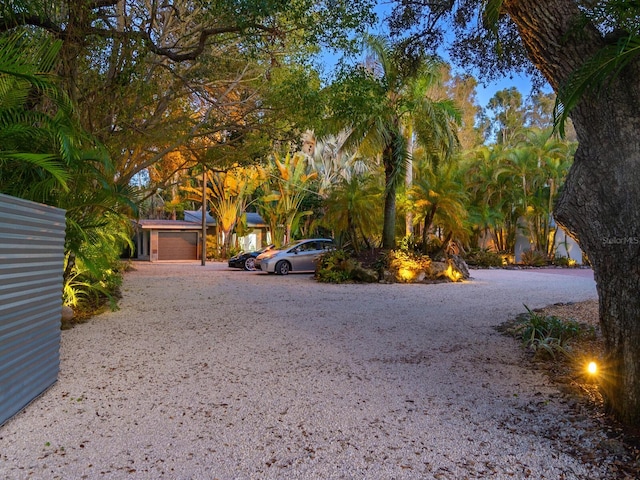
438, 270
67, 313
451, 269
360, 274
458, 264
388, 276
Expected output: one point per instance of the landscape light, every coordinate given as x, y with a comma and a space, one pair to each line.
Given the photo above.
453, 274
592, 368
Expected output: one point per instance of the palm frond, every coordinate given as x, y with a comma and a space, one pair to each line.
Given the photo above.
491, 15
593, 75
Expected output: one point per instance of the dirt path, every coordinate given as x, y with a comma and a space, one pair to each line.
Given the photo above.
209, 373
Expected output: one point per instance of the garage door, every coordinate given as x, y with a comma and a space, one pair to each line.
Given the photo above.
177, 245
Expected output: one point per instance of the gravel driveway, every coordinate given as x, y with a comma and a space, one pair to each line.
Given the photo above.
210, 373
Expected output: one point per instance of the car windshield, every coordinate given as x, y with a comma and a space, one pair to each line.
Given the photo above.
287, 246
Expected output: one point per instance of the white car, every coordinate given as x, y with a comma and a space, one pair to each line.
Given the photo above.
298, 256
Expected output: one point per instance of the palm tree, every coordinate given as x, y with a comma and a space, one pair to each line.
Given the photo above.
439, 200
376, 101
45, 156
332, 162
352, 211
229, 193
554, 157
37, 145
491, 196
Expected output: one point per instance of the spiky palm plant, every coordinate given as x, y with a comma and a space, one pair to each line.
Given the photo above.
46, 157
36, 133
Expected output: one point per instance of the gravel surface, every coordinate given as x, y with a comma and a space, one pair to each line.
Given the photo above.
211, 373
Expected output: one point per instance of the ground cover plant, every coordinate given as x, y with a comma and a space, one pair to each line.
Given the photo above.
548, 335
561, 340
339, 266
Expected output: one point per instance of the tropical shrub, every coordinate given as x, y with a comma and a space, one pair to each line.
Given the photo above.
534, 258
46, 156
564, 262
213, 248
38, 143
338, 266
93, 273
547, 335
484, 258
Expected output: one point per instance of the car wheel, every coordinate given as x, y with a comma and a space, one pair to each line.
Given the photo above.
282, 267
250, 263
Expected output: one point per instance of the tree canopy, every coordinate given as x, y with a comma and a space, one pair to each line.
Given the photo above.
150, 77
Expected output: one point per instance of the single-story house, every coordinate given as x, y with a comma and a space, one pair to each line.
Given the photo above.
158, 240
259, 235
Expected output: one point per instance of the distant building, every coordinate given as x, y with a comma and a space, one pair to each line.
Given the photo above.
165, 240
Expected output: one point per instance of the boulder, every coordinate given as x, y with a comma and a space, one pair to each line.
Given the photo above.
438, 270
459, 265
360, 274
67, 313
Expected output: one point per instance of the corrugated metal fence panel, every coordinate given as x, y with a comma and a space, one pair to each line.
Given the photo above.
31, 264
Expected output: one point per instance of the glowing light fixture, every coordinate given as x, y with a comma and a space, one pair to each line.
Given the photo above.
453, 274
406, 274
592, 368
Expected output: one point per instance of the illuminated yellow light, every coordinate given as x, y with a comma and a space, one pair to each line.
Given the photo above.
453, 274
406, 274
592, 368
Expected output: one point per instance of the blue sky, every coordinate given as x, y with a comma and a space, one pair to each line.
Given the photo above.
483, 92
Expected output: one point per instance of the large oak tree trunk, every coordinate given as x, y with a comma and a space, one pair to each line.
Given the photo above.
600, 203
600, 206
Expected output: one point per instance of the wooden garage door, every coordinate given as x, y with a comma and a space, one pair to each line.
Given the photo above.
177, 245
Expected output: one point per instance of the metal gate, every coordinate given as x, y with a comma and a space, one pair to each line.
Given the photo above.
31, 265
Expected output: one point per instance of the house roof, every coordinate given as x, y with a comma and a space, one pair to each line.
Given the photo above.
147, 224
196, 216
193, 221
255, 220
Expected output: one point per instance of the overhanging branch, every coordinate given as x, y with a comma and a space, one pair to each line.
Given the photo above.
204, 35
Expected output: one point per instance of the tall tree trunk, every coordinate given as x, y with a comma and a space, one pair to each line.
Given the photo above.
599, 207
389, 223
428, 222
599, 204
203, 259
408, 227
